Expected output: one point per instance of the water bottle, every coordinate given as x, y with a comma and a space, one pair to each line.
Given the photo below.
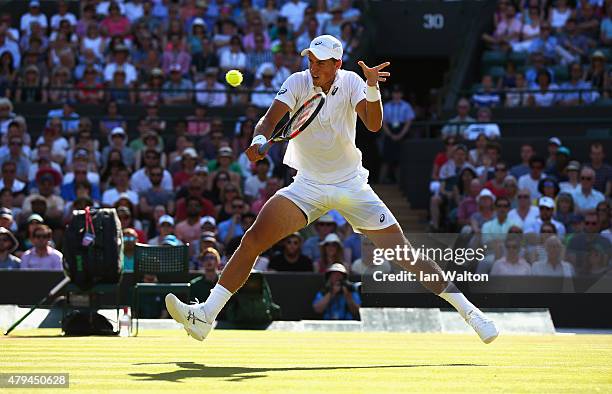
125, 323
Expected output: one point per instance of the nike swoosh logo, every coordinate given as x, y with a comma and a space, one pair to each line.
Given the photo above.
319, 43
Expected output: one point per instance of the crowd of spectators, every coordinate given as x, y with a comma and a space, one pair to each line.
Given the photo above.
476, 193
178, 182
547, 53
158, 51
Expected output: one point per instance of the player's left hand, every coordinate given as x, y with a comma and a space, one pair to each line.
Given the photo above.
373, 74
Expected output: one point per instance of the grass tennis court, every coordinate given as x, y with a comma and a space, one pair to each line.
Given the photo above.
309, 362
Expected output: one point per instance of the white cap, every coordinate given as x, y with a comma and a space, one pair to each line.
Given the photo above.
198, 21
166, 219
331, 238
325, 47
327, 218
554, 140
208, 219
546, 202
117, 131
485, 193
190, 152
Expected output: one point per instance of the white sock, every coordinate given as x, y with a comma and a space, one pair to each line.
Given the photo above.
456, 298
219, 296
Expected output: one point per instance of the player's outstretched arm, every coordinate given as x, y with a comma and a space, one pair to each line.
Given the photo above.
266, 126
370, 110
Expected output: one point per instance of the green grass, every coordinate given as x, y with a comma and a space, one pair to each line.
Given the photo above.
314, 362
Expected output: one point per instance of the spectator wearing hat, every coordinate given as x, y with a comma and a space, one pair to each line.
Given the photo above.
573, 182
225, 162
10, 181
140, 181
208, 239
156, 194
33, 15
596, 74
291, 257
485, 212
188, 163
208, 262
558, 169
552, 148
337, 300
120, 56
547, 207
177, 90
548, 187
42, 256
586, 197
150, 91
323, 226
603, 170
398, 116
331, 251
165, 227
216, 98
8, 244
118, 141
26, 234
6, 213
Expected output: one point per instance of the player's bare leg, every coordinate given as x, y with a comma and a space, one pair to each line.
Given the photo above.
278, 218
391, 237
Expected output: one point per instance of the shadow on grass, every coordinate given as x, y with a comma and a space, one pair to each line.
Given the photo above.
237, 374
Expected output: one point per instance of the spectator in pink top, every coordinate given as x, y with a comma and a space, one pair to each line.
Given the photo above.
115, 24
42, 256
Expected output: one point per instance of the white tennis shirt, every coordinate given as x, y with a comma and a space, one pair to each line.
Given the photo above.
326, 152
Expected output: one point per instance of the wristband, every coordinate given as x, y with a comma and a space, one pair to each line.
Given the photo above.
372, 93
259, 139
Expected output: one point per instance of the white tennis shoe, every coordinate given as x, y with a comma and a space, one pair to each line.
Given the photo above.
192, 317
484, 327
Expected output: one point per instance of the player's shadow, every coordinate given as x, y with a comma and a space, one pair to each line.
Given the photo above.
237, 374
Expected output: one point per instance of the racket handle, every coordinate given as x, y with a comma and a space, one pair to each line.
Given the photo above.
263, 149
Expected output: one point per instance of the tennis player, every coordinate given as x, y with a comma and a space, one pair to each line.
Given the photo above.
329, 176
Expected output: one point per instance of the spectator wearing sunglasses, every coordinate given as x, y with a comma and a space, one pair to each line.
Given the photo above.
129, 245
547, 207
291, 257
42, 256
512, 264
586, 197
501, 223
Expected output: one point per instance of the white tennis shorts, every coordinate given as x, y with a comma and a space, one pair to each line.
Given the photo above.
354, 199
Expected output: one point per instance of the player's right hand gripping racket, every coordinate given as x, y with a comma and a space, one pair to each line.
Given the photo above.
297, 123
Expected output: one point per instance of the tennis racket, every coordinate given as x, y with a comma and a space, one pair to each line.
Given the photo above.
297, 123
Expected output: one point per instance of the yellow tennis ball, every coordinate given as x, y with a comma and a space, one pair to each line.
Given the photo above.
234, 77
